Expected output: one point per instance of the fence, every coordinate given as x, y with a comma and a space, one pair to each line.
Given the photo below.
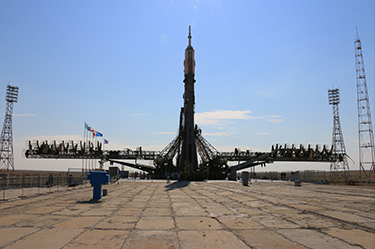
15, 186
316, 176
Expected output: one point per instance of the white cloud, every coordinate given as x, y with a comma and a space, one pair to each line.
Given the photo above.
276, 120
224, 117
217, 134
221, 117
262, 134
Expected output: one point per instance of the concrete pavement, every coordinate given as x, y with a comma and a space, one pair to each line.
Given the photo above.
213, 214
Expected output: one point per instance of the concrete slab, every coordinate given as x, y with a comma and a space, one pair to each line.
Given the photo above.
136, 204
118, 222
157, 212
271, 222
11, 234
250, 211
257, 204
44, 210
263, 239
13, 218
152, 239
213, 214
239, 223
79, 222
311, 221
47, 238
126, 211
42, 221
190, 211
345, 216
155, 204
72, 210
197, 223
354, 236
216, 212
99, 239
155, 223
305, 207
98, 212
210, 239
314, 239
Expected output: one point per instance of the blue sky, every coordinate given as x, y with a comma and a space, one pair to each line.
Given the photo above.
263, 69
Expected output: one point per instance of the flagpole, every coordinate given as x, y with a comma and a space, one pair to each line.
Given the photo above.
84, 135
95, 139
87, 132
93, 148
87, 166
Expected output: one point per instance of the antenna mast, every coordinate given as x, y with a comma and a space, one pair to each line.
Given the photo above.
365, 131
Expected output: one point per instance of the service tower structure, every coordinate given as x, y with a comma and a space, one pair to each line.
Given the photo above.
188, 160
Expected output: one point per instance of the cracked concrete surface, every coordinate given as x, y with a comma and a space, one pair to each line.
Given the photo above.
213, 214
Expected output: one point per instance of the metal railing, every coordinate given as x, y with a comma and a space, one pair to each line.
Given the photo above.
315, 176
13, 186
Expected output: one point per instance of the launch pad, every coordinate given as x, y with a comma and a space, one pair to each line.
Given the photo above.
180, 156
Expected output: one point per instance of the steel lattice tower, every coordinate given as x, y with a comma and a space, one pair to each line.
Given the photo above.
365, 131
340, 168
6, 147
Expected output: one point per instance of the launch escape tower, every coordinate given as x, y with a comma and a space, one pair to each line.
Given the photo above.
339, 169
6, 147
365, 131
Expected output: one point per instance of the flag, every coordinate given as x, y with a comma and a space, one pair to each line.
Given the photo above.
93, 133
98, 134
87, 127
106, 141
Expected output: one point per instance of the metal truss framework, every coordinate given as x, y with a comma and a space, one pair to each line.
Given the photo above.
365, 131
6, 146
340, 168
162, 159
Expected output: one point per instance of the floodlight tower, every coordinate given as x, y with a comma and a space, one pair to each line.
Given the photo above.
6, 146
339, 169
365, 131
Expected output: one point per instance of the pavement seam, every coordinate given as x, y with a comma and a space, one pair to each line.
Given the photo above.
264, 227
311, 212
11, 243
88, 229
174, 219
215, 218
140, 216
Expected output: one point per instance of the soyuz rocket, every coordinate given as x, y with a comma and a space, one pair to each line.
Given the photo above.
188, 156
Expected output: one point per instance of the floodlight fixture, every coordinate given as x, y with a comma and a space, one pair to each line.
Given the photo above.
334, 96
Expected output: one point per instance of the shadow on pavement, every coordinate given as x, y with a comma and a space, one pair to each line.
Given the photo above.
175, 185
92, 201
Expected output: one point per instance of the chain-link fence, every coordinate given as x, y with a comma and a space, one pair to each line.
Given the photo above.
14, 186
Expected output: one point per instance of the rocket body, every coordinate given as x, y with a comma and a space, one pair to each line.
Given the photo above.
188, 158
